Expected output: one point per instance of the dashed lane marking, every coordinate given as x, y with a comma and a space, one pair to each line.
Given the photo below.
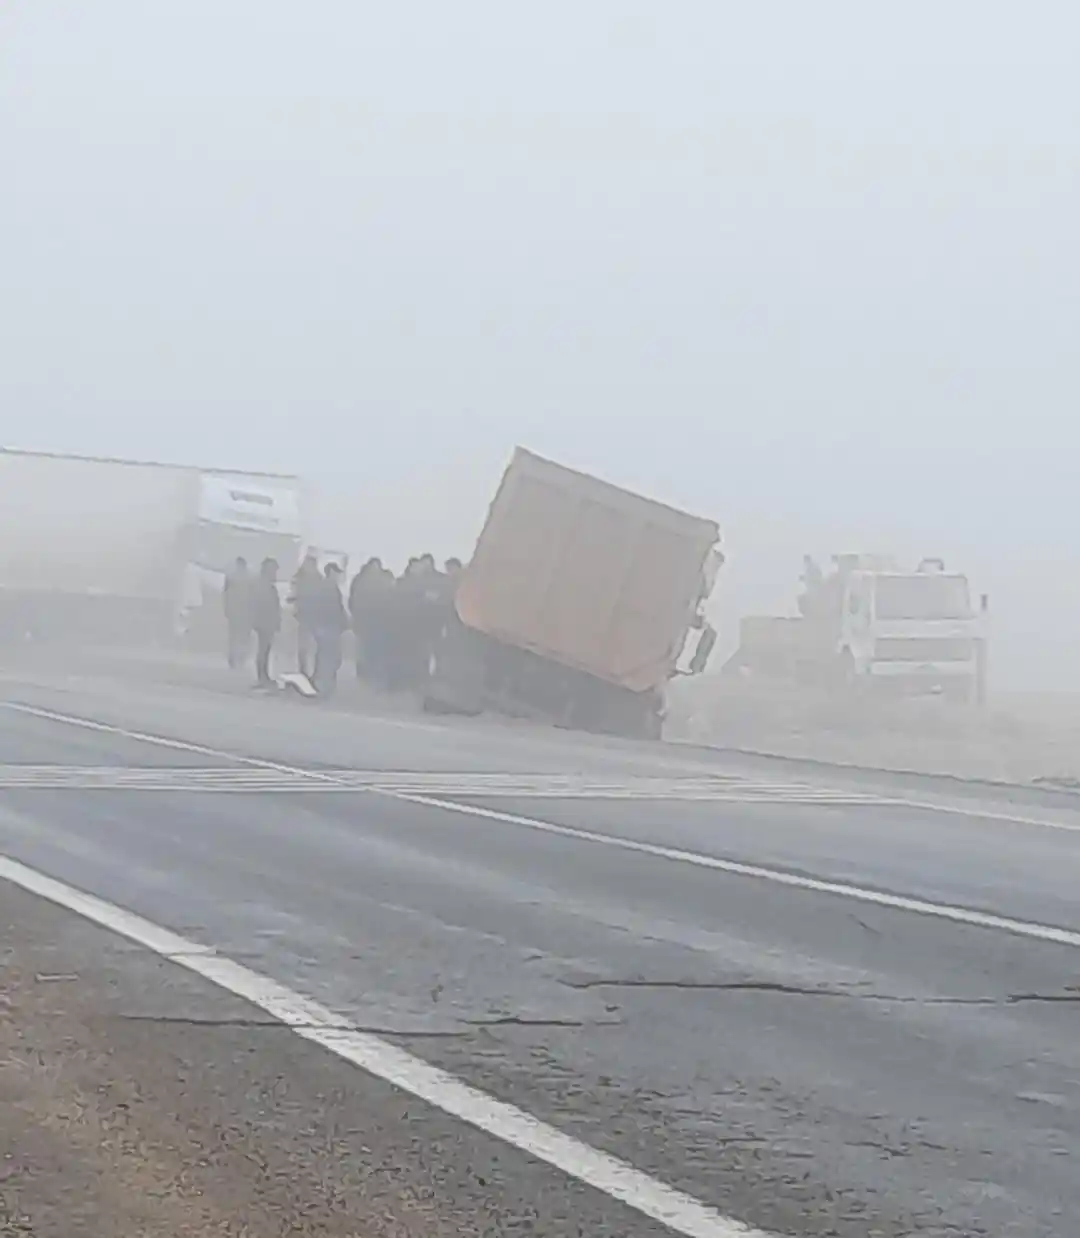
1012, 817
781, 877
220, 779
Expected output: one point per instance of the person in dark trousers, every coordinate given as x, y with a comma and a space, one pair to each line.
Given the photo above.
400, 609
369, 610
236, 601
420, 619
265, 619
306, 586
329, 621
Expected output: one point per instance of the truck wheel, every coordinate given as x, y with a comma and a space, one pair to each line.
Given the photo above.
455, 675
615, 711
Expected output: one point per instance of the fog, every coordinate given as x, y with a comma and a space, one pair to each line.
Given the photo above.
810, 270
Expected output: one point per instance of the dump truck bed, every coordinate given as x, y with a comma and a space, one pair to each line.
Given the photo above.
586, 574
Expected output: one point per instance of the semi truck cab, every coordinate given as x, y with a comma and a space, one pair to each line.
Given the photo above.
236, 516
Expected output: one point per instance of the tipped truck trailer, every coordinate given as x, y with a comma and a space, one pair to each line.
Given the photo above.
580, 603
108, 548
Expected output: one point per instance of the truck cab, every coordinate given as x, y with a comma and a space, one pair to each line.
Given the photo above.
912, 631
235, 516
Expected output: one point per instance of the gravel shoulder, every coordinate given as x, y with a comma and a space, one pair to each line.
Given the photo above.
139, 1100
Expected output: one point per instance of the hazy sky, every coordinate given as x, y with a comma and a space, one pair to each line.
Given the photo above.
811, 269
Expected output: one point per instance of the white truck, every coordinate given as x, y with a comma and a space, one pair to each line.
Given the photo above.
98, 548
913, 631
872, 625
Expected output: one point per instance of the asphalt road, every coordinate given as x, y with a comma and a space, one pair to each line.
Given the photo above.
543, 916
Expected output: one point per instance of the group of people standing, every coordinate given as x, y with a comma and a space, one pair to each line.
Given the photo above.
395, 620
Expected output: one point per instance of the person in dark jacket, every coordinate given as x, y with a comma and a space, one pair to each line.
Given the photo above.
265, 618
236, 602
306, 586
400, 622
369, 610
329, 622
420, 618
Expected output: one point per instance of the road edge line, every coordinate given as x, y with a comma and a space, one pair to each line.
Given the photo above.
313, 1022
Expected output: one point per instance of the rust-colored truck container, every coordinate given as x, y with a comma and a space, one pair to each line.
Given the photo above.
577, 604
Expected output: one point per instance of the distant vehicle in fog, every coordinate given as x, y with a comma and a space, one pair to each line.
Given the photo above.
874, 626
100, 548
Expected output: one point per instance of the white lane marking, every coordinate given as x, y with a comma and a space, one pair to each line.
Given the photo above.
862, 894
180, 745
899, 902
990, 814
321, 1026
718, 788
161, 741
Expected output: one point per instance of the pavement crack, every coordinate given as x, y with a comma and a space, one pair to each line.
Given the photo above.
276, 1025
513, 1020
795, 990
272, 1024
1016, 999
723, 986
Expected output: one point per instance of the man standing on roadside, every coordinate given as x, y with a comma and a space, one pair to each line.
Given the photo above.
265, 619
329, 621
370, 599
306, 587
236, 601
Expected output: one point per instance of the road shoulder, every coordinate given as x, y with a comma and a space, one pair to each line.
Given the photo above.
140, 1099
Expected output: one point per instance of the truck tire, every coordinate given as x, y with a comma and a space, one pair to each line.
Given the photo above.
455, 683
606, 710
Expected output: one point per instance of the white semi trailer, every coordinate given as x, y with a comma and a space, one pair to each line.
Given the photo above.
106, 548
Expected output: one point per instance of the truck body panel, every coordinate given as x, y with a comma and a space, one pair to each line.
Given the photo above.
153, 536
90, 527
586, 574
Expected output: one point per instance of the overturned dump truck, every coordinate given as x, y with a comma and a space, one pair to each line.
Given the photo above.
581, 602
